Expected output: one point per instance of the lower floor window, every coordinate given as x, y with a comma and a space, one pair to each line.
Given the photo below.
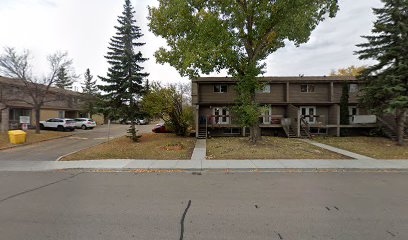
232, 130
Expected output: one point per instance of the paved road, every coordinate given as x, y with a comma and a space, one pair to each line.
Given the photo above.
281, 206
51, 150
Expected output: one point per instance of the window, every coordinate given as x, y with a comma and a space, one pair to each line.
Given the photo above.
307, 88
266, 89
221, 115
61, 114
353, 88
220, 88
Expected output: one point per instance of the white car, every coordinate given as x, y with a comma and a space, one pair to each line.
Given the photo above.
84, 123
60, 124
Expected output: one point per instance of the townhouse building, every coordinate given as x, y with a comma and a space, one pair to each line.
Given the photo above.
294, 106
16, 102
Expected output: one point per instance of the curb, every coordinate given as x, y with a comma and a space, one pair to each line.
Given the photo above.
97, 144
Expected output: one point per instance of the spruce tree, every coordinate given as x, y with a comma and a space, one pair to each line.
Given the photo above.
64, 80
387, 81
90, 89
124, 85
344, 108
89, 86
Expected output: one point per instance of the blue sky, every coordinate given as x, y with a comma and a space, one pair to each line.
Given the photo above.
84, 27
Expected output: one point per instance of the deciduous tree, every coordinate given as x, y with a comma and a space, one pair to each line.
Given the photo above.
171, 104
236, 35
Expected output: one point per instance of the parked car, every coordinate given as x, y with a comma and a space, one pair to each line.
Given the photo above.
60, 124
160, 128
84, 123
143, 121
137, 121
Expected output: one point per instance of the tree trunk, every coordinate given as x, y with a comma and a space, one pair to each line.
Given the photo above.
401, 118
255, 133
37, 110
133, 131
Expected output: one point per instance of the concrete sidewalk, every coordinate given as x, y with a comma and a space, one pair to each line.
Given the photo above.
202, 165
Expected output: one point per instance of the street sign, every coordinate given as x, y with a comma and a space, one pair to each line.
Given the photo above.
25, 119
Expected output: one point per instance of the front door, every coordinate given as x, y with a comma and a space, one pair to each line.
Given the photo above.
221, 115
266, 116
309, 113
352, 112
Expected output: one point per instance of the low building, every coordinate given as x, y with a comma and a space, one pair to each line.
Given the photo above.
15, 102
295, 106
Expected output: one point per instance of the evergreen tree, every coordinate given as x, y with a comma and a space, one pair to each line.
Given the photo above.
90, 89
387, 81
89, 86
124, 85
344, 111
64, 80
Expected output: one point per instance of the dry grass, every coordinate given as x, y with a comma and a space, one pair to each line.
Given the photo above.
32, 137
160, 146
268, 148
375, 147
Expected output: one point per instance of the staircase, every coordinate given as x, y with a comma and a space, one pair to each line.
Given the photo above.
304, 129
291, 133
202, 133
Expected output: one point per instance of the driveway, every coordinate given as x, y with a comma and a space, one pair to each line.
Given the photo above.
53, 149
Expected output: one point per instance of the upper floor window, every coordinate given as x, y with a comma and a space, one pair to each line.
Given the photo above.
220, 88
307, 88
353, 88
265, 89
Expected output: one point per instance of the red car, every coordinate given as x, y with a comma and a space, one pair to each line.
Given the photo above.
160, 128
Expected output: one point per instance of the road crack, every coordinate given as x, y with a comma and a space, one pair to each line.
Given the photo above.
37, 188
182, 220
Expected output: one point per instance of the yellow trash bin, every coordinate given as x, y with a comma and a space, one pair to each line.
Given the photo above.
17, 136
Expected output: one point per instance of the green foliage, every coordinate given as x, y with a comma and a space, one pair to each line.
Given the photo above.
64, 79
89, 86
124, 85
344, 104
236, 35
168, 104
386, 87
90, 90
344, 111
132, 133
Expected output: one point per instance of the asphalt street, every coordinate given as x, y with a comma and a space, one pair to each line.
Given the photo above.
53, 149
282, 206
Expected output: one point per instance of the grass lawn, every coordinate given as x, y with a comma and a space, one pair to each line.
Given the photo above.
268, 148
375, 147
161, 146
32, 137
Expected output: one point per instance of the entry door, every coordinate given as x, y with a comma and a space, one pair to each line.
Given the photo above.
266, 118
309, 112
352, 112
221, 114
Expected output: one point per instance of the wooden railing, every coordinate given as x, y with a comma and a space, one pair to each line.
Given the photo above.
305, 126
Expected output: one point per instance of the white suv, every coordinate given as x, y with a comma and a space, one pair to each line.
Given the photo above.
60, 124
84, 123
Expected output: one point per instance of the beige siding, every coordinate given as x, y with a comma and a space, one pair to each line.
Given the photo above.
323, 113
207, 94
334, 115
320, 94
194, 93
98, 118
277, 94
